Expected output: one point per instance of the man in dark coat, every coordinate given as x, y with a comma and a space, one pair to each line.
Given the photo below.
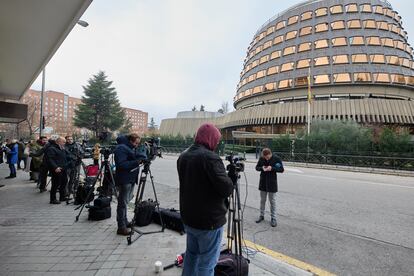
43, 169
56, 163
268, 165
127, 161
74, 156
204, 188
20, 155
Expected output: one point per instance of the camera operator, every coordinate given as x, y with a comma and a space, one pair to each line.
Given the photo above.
74, 157
204, 189
39, 152
56, 162
268, 165
127, 160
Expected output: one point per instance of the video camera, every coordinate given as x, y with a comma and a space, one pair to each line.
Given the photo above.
107, 151
153, 148
235, 167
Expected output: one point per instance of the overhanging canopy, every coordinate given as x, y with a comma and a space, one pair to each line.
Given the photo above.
30, 33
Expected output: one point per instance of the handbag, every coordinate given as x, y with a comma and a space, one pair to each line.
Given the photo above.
144, 211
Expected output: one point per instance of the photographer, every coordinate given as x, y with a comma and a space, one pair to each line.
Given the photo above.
204, 189
74, 157
56, 163
268, 165
127, 160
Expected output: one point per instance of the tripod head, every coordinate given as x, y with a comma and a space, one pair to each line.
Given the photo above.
235, 167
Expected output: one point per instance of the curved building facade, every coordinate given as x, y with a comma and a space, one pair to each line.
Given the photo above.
353, 54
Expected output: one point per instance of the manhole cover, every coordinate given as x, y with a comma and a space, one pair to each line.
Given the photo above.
12, 222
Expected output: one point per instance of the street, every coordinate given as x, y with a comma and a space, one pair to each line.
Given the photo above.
344, 222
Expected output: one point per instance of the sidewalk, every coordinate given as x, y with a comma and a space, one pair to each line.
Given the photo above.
37, 238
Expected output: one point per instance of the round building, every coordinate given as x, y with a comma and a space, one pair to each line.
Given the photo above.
352, 55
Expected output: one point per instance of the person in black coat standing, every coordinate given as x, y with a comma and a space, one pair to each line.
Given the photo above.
268, 165
56, 163
204, 189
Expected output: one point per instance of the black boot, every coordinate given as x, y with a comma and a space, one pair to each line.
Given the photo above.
260, 219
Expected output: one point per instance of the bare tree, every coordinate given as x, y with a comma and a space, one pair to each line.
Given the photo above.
224, 108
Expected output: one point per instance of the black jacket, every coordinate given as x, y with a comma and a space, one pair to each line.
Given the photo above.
268, 180
74, 154
204, 188
55, 156
127, 160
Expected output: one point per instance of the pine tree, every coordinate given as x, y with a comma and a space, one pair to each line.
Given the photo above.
100, 109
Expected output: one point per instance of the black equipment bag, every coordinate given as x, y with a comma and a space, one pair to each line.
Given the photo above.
171, 219
82, 193
228, 263
102, 201
97, 213
144, 211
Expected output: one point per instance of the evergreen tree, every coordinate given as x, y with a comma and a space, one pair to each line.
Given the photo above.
100, 109
152, 125
202, 107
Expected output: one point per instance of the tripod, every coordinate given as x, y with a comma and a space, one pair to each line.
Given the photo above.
138, 199
106, 167
73, 181
234, 225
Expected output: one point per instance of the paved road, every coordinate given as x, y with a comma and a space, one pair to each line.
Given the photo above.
347, 223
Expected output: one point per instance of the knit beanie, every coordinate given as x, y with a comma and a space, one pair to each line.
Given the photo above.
208, 135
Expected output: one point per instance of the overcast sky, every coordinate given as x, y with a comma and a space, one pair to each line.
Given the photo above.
165, 56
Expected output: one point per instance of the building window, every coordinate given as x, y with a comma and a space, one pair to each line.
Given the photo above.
321, 79
306, 16
262, 35
267, 44
354, 24
362, 77
383, 25
390, 13
409, 80
285, 84
341, 78
394, 28
251, 78
305, 31
377, 58
323, 43
255, 63
304, 47
287, 67
291, 35
340, 59
261, 74
396, 78
336, 9
275, 54
360, 58
264, 59
270, 86
270, 30
280, 25
366, 8
373, 40
258, 49
289, 50
303, 63
273, 70
405, 62
387, 42
381, 77
393, 60
351, 8
378, 10
258, 89
292, 20
278, 39
370, 24
338, 25
301, 81
321, 61
322, 27
356, 40
339, 41
321, 12
399, 45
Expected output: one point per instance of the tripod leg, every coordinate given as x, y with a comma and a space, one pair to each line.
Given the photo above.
88, 195
156, 200
138, 198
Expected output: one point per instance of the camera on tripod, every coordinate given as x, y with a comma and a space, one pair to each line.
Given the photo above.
236, 162
106, 151
153, 148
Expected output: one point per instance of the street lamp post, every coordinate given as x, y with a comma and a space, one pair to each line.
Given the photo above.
41, 124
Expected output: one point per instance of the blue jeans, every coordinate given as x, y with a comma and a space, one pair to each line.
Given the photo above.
12, 168
125, 192
203, 251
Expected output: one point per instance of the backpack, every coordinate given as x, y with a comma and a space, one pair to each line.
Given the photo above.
230, 264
